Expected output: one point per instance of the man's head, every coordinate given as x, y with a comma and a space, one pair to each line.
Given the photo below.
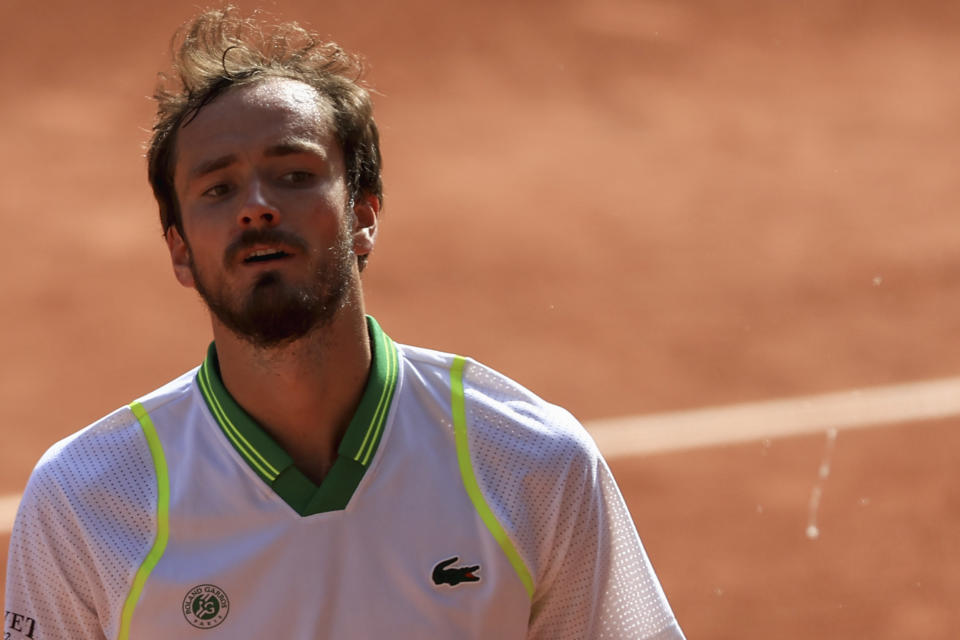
219, 50
267, 178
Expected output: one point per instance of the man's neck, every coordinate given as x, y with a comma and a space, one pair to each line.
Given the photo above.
303, 394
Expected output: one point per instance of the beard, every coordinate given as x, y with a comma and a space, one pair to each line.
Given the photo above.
275, 311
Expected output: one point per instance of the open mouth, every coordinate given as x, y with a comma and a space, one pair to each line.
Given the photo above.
266, 255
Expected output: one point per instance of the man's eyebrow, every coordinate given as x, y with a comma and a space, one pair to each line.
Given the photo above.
275, 151
210, 166
292, 148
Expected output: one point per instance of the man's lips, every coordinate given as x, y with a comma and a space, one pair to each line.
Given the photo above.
256, 246
266, 254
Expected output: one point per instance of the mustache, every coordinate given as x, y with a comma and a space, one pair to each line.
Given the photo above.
252, 237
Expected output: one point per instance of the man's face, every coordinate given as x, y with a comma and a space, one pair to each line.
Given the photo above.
271, 235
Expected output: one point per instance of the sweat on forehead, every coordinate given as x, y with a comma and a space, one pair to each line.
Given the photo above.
273, 93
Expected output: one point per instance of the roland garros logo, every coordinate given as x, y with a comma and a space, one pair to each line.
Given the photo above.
205, 606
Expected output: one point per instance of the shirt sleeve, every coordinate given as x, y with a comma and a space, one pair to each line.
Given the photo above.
48, 591
599, 582
86, 522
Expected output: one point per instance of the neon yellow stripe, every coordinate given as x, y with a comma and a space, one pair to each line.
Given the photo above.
384, 395
380, 415
470, 480
241, 443
163, 524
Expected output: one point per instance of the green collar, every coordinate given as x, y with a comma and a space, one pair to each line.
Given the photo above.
275, 466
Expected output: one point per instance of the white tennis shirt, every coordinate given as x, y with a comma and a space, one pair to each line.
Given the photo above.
460, 506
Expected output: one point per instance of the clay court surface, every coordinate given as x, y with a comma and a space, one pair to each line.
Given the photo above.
634, 207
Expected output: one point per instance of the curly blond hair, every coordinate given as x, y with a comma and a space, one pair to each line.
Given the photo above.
220, 49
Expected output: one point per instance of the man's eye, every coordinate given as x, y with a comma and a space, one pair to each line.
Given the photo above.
216, 191
297, 177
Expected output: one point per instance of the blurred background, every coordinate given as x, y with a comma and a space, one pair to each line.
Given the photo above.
631, 206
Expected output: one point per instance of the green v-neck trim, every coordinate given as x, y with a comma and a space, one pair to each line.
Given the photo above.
275, 466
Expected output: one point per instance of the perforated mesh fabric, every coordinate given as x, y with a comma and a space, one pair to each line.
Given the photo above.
547, 484
85, 524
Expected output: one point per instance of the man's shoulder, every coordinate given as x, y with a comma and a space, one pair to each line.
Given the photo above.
504, 414
177, 389
84, 459
511, 425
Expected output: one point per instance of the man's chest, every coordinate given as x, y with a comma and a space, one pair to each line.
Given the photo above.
408, 558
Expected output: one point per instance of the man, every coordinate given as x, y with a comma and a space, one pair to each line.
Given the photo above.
311, 478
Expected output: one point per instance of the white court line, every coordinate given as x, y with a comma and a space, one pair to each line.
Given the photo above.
638, 435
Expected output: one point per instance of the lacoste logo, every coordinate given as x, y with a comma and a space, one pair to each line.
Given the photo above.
454, 575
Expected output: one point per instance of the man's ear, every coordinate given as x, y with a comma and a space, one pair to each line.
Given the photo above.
179, 256
366, 211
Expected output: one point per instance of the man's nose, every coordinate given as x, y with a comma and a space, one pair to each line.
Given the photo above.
257, 208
